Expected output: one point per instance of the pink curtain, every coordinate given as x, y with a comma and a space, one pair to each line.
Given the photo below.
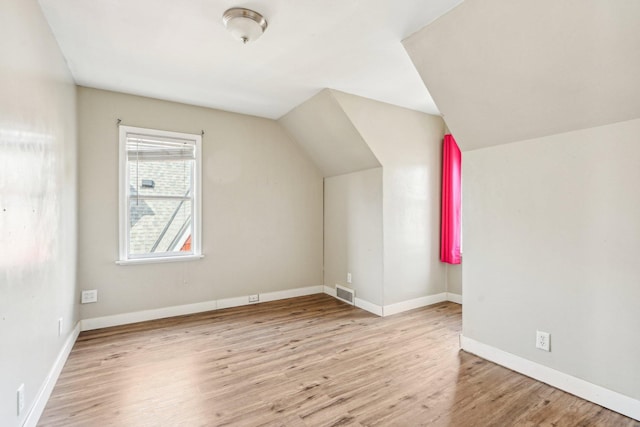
451, 201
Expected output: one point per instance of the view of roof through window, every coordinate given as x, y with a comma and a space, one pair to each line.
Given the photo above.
160, 202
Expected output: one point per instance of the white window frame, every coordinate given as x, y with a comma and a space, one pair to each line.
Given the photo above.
196, 237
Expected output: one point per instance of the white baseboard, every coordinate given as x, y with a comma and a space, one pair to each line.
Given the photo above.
232, 302
329, 290
581, 388
268, 296
291, 293
358, 302
144, 315
368, 306
179, 310
399, 307
49, 383
457, 298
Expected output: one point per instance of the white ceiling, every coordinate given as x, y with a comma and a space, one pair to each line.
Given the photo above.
180, 50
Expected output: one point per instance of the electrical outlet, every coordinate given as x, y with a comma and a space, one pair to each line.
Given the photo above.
254, 298
60, 327
543, 340
89, 296
20, 397
348, 277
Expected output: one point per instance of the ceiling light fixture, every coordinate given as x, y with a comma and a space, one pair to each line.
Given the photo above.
245, 25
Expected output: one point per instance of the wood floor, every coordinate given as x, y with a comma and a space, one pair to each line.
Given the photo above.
310, 361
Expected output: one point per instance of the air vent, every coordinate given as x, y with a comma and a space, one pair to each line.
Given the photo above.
148, 183
345, 294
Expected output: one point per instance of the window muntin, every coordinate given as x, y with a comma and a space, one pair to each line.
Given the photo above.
159, 194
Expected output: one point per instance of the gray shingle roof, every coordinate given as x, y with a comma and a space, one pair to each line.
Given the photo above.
159, 225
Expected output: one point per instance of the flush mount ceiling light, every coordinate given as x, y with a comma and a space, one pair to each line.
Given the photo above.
245, 25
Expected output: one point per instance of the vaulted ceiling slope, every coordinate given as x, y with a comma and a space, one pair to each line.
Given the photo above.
322, 128
509, 70
344, 133
180, 50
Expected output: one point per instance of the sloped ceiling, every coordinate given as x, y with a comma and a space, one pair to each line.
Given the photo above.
322, 128
508, 70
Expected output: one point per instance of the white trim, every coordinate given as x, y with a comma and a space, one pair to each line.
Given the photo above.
158, 260
196, 238
329, 290
49, 383
144, 315
123, 190
457, 298
358, 302
368, 306
576, 386
269, 296
179, 310
399, 307
402, 306
234, 302
290, 293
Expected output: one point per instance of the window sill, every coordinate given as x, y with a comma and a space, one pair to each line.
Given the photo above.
159, 260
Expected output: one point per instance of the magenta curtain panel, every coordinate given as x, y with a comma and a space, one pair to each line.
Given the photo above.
451, 201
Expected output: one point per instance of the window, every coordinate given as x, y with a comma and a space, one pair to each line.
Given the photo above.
159, 195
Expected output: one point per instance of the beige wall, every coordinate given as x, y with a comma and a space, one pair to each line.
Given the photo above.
552, 242
454, 278
408, 144
262, 208
514, 70
37, 204
353, 233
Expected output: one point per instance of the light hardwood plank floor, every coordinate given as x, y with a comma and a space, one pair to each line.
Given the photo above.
309, 361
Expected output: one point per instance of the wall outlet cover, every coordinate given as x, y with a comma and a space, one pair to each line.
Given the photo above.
543, 340
89, 296
254, 298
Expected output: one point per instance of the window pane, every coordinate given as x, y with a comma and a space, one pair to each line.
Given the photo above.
159, 188
160, 178
159, 225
